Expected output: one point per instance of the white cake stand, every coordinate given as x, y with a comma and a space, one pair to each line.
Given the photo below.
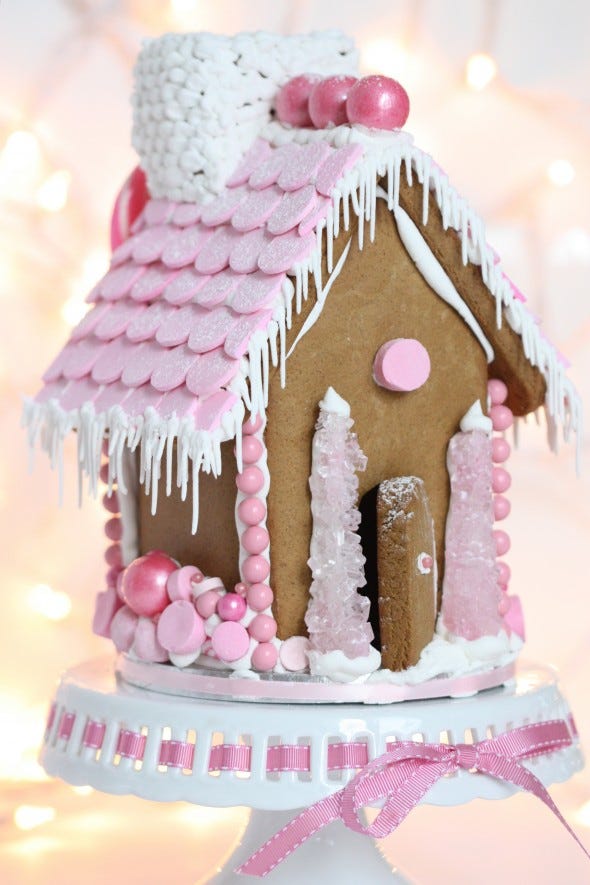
115, 737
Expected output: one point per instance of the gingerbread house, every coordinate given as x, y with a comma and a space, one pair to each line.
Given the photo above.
267, 260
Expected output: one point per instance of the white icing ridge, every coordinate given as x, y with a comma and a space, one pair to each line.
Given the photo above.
337, 667
474, 419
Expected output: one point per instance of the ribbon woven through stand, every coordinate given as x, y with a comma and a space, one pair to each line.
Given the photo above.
402, 776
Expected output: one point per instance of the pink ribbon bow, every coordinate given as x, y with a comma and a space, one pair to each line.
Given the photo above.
402, 776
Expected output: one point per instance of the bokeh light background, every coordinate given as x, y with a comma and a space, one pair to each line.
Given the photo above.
500, 93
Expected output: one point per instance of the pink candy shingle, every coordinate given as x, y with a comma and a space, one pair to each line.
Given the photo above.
150, 243
185, 286
211, 330
256, 291
210, 372
177, 326
146, 324
112, 360
268, 172
245, 254
292, 210
335, 166
302, 169
214, 256
80, 358
223, 207
119, 281
256, 209
158, 212
186, 214
152, 283
145, 360
79, 392
184, 246
284, 252
256, 155
116, 320
172, 368
240, 334
89, 322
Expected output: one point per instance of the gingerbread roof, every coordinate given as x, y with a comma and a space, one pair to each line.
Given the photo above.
196, 304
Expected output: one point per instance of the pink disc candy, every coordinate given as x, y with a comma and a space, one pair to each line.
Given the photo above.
180, 630
378, 102
501, 507
250, 480
263, 628
231, 607
260, 597
206, 603
252, 511
230, 641
497, 391
501, 417
292, 101
327, 101
264, 656
179, 583
107, 604
123, 628
501, 480
502, 541
293, 653
500, 450
255, 539
255, 569
146, 645
402, 364
252, 449
144, 583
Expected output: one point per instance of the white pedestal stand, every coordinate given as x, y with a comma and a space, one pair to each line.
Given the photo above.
90, 698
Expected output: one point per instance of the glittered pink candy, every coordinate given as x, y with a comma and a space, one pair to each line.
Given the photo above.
230, 641
292, 101
123, 628
255, 569
262, 628
251, 510
180, 629
378, 103
107, 604
146, 645
327, 101
256, 209
144, 583
231, 607
179, 583
255, 539
260, 597
264, 657
293, 653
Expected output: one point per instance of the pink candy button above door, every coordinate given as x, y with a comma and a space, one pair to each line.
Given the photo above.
402, 365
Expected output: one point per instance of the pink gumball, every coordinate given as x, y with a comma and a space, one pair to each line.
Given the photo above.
230, 641
206, 603
504, 573
292, 100
252, 511
501, 507
327, 101
144, 583
252, 449
260, 597
255, 539
179, 583
378, 102
263, 628
502, 541
255, 569
250, 480
501, 480
264, 656
252, 425
502, 417
497, 391
123, 628
231, 607
500, 449
180, 629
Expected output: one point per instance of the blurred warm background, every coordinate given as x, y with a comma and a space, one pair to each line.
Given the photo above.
500, 93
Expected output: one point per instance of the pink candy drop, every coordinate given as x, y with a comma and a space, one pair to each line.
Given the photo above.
206, 603
500, 480
502, 417
264, 656
144, 583
504, 573
497, 391
502, 541
327, 101
250, 480
500, 450
292, 101
255, 569
252, 511
262, 628
255, 539
501, 507
252, 449
252, 425
231, 607
260, 597
378, 102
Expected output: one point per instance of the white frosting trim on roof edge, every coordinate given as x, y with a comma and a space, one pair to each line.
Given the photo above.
356, 193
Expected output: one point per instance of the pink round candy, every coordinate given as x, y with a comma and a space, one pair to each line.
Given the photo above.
402, 364
252, 425
291, 103
255, 539
112, 575
179, 583
504, 605
230, 641
104, 473
501, 507
206, 603
113, 529
180, 629
106, 606
293, 653
327, 101
262, 628
146, 645
260, 597
502, 541
123, 628
231, 607
252, 511
255, 569
378, 102
264, 656
504, 573
241, 589
501, 479
500, 449
250, 480
252, 449
497, 391
111, 502
113, 557
144, 583
502, 417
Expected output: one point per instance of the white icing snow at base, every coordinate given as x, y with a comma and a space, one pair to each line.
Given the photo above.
337, 667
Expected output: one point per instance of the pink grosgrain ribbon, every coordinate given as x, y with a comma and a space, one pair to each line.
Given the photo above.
403, 775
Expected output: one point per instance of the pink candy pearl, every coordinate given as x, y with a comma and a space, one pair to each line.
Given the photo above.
104, 473
252, 449
179, 583
501, 479
112, 555
255, 569
262, 628
180, 629
264, 656
503, 573
327, 101
250, 481
112, 575
231, 607
502, 542
504, 605
292, 100
260, 596
501, 507
252, 425
144, 583
111, 502
252, 511
500, 449
378, 102
497, 391
502, 417
241, 589
206, 603
255, 539
230, 641
113, 529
